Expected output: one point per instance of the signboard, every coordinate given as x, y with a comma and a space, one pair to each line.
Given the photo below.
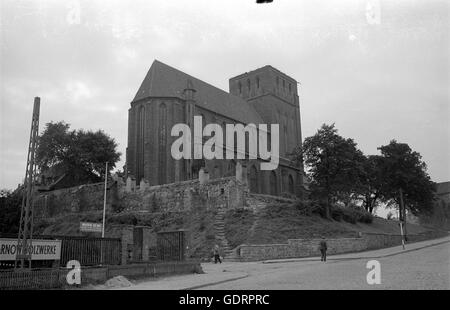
40, 249
90, 227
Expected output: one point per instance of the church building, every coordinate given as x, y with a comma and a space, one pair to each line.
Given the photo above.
168, 96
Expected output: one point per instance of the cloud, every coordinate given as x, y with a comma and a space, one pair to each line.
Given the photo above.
377, 82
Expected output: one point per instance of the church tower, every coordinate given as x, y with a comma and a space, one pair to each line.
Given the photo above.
274, 95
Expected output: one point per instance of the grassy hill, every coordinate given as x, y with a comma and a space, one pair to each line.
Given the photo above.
273, 224
278, 223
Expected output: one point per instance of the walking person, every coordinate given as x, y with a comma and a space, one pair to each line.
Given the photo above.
216, 252
323, 249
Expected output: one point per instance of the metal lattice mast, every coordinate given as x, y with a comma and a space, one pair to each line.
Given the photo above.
25, 238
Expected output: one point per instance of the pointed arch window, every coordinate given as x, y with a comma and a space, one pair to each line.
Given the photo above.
141, 143
291, 184
216, 172
224, 143
253, 177
162, 144
231, 168
273, 183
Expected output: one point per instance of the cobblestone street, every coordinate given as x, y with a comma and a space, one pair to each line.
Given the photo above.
423, 265
427, 268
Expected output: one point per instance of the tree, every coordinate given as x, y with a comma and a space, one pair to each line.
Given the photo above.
402, 168
371, 182
10, 204
334, 165
79, 154
390, 215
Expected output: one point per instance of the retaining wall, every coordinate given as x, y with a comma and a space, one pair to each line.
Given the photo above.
101, 274
296, 248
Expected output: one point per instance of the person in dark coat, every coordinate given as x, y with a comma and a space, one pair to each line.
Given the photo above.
216, 253
323, 250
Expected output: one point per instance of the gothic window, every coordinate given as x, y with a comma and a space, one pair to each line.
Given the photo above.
291, 184
273, 183
141, 143
231, 168
214, 121
290, 90
196, 166
162, 144
285, 137
257, 82
224, 142
204, 139
235, 146
278, 82
240, 87
253, 180
216, 173
284, 84
248, 84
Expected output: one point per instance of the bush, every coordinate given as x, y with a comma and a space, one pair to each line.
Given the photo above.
337, 214
351, 215
367, 218
320, 209
126, 219
288, 195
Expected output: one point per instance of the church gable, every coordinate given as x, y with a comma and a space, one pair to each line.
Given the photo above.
165, 81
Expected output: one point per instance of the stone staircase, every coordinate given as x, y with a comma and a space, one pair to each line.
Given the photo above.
219, 230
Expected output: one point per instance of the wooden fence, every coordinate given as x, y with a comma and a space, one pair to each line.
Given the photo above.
90, 251
170, 245
87, 251
29, 279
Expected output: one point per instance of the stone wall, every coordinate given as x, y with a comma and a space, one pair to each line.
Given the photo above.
310, 247
175, 197
93, 275
230, 192
131, 248
182, 196
87, 197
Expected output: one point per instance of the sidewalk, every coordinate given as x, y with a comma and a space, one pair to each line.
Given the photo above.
214, 274
230, 271
380, 253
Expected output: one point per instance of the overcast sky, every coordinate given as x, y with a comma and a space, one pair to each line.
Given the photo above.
377, 76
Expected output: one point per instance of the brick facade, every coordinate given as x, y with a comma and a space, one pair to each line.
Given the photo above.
168, 96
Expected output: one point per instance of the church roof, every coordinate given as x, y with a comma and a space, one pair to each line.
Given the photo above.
165, 81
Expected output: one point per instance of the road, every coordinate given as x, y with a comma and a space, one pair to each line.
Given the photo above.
423, 265
426, 268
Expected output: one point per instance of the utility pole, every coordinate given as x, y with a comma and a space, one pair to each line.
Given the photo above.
104, 214
104, 200
402, 218
25, 237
